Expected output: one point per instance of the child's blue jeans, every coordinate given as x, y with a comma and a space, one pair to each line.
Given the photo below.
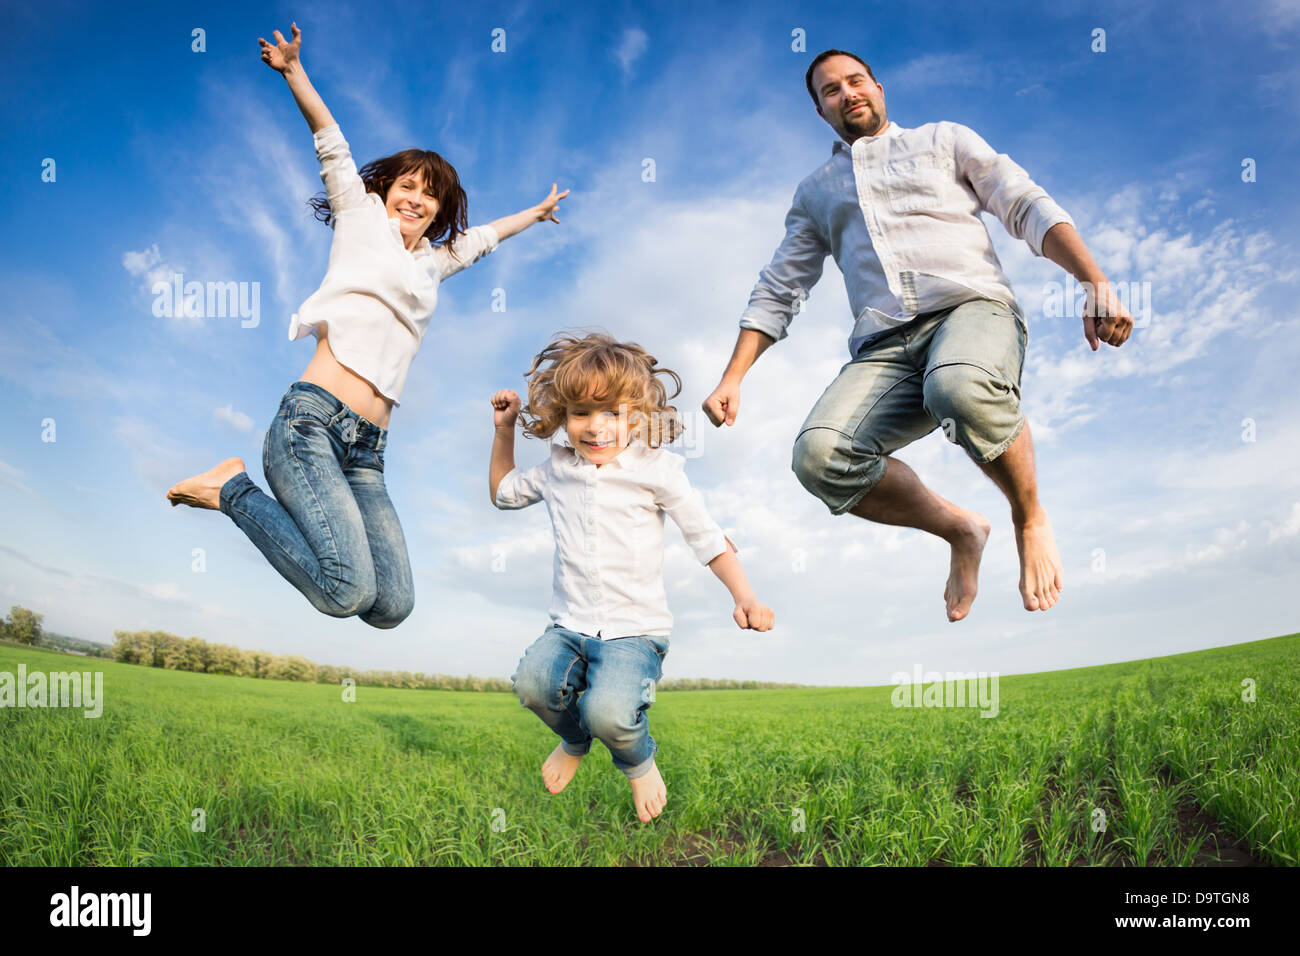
331, 529
616, 680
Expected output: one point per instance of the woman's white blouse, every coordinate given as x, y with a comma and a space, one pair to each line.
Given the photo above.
609, 534
377, 298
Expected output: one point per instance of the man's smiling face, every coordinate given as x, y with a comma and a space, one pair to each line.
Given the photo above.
851, 101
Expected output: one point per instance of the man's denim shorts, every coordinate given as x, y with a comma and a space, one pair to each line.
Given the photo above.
957, 369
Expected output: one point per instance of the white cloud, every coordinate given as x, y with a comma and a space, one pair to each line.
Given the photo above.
235, 419
1287, 528
148, 266
631, 46
139, 263
10, 476
1203, 284
931, 70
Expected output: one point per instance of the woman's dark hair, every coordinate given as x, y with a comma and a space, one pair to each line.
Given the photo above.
438, 174
825, 55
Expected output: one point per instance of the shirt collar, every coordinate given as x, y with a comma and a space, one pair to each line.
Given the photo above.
629, 459
893, 129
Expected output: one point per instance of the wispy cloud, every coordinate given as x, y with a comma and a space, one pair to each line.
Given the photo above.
235, 419
10, 476
631, 46
931, 70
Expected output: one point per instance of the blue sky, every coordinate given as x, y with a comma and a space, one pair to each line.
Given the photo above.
1175, 533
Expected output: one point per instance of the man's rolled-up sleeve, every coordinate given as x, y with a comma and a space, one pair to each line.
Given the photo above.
788, 279
1004, 189
685, 506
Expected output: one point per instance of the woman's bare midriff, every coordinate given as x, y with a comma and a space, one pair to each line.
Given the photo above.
346, 385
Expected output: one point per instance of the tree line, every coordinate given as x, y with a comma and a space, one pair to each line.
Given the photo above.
160, 649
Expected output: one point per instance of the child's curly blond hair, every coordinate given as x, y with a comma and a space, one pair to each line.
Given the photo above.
599, 368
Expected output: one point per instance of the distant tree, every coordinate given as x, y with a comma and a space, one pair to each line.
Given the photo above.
291, 667
195, 655
170, 651
223, 659
23, 626
133, 647
260, 663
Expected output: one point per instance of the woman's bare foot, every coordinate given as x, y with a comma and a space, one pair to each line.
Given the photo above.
964, 570
559, 769
1041, 579
649, 794
204, 491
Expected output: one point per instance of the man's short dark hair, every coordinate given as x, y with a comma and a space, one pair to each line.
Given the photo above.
826, 54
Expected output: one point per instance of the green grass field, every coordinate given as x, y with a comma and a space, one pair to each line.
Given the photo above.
1185, 771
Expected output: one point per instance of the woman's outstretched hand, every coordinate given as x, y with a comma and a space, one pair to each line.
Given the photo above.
547, 208
283, 54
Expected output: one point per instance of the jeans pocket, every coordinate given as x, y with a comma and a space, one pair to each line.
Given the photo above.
304, 407
658, 644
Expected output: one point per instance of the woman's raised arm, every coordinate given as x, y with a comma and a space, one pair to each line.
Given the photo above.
283, 58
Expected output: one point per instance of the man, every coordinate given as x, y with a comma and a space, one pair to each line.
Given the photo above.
939, 338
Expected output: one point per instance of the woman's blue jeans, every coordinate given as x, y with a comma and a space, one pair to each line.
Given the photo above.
616, 680
330, 530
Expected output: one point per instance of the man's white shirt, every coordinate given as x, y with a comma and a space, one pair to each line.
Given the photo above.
900, 213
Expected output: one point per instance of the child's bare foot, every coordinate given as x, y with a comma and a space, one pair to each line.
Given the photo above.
963, 572
1040, 565
649, 794
204, 491
559, 769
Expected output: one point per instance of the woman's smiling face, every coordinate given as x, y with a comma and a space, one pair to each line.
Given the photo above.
413, 205
598, 430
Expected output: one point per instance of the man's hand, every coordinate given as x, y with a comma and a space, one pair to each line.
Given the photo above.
723, 404
1104, 317
754, 615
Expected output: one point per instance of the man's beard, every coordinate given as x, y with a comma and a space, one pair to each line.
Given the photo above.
866, 123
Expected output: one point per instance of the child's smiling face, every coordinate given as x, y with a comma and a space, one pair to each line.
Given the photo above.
598, 430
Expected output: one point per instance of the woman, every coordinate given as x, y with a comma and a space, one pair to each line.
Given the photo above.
331, 529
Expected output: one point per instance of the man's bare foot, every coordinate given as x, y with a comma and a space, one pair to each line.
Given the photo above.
649, 794
204, 491
1041, 579
559, 769
964, 570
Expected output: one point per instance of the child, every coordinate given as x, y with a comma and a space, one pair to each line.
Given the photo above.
331, 530
607, 492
